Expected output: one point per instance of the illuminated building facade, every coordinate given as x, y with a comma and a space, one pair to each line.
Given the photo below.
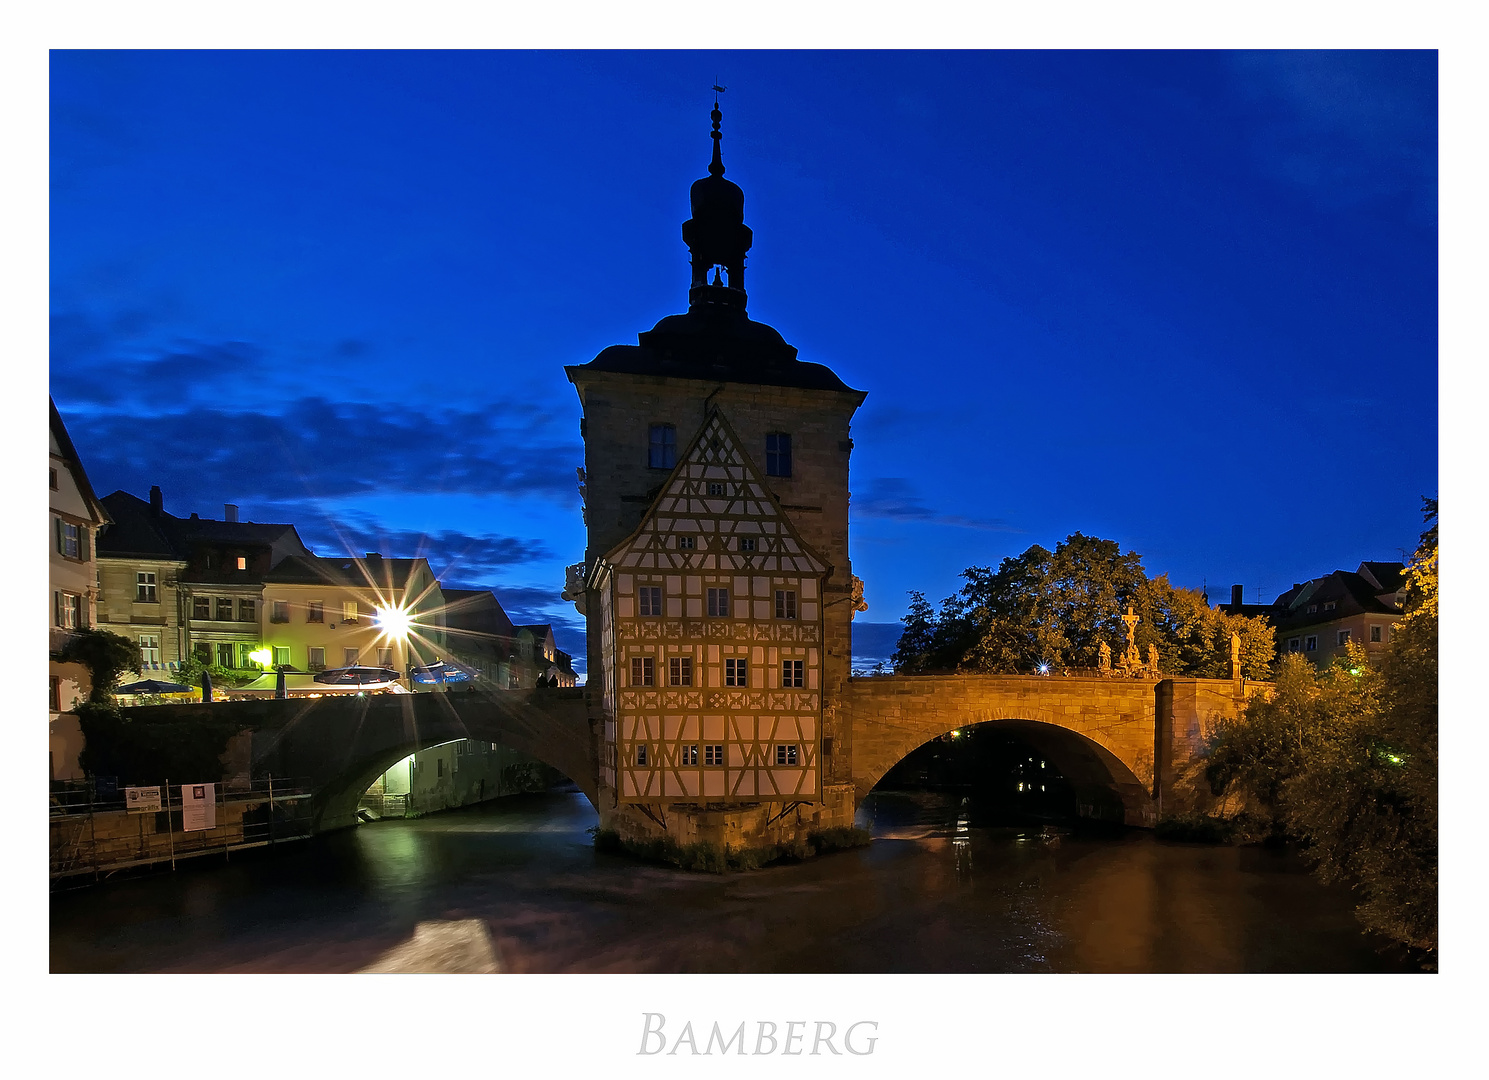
717, 592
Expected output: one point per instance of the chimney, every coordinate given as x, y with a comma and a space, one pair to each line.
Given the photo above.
229, 512
1235, 599
157, 502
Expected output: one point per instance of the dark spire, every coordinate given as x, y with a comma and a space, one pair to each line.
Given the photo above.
716, 234
716, 167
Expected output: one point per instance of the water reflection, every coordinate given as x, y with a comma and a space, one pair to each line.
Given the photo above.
515, 885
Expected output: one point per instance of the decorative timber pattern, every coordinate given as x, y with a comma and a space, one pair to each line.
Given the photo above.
711, 615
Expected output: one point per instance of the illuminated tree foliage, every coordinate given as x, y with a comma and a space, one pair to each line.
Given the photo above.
106, 655
1057, 607
1345, 760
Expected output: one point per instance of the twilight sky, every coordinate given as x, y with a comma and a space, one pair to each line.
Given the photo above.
1186, 301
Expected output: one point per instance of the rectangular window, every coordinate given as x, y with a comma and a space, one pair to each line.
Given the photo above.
201, 607
316, 611
680, 671
785, 754
785, 603
1310, 644
661, 450
514, 681
350, 612
1329, 605
247, 610
53, 478
777, 454
149, 650
279, 611
350, 657
1344, 636
242, 562
54, 698
791, 673
685, 543
736, 672
144, 587
1375, 633
201, 652
1294, 644
69, 610
245, 659
651, 599
224, 609
317, 658
640, 753
746, 543
714, 754
643, 671
718, 603
689, 755
226, 654
716, 489
385, 657
67, 539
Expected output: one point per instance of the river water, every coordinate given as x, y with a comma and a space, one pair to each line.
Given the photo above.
515, 885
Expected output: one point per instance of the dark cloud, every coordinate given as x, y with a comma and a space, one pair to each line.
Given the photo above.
894, 499
321, 449
454, 556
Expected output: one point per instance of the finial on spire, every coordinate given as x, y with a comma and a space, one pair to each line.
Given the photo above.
716, 167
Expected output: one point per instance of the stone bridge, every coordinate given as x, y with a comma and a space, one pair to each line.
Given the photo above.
339, 745
1129, 747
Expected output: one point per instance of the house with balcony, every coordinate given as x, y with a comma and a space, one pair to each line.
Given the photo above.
325, 612
187, 587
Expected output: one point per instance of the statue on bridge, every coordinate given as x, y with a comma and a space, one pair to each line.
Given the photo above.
1106, 658
1152, 660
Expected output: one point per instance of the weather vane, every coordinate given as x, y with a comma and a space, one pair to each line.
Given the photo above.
717, 89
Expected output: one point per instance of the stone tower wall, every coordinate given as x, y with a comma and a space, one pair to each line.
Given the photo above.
618, 412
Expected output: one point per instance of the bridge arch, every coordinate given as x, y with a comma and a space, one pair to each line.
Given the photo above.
340, 746
1105, 788
1100, 733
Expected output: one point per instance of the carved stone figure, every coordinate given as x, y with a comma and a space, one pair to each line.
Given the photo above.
1106, 657
1152, 659
858, 602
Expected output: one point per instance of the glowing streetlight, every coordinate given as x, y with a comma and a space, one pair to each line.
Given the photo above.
262, 657
394, 621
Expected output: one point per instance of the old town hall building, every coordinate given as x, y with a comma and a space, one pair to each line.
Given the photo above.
718, 592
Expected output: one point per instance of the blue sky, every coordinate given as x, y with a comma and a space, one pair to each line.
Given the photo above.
1186, 301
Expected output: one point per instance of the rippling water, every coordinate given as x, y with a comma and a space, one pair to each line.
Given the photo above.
514, 885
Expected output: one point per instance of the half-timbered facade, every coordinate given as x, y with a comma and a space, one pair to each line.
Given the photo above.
712, 616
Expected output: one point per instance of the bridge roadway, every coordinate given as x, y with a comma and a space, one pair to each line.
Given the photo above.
1129, 747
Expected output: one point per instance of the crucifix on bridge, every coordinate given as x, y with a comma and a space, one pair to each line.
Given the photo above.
1130, 658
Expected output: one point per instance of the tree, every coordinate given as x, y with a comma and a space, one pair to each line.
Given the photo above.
106, 655
1057, 607
1345, 760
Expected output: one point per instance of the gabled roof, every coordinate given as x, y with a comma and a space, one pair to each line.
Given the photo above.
747, 508
139, 530
476, 611
1350, 593
346, 572
75, 464
136, 531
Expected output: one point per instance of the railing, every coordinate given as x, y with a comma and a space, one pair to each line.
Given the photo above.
385, 806
94, 833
